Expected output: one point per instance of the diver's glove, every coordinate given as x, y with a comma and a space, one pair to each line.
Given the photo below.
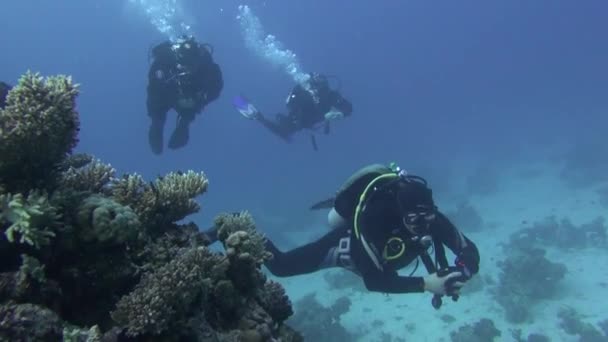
469, 261
333, 115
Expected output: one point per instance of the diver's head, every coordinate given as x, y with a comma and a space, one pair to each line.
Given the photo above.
186, 49
415, 203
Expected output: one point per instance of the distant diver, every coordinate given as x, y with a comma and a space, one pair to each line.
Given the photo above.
183, 77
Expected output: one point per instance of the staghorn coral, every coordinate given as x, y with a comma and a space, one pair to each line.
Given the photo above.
93, 177
165, 295
165, 201
102, 219
29, 219
38, 128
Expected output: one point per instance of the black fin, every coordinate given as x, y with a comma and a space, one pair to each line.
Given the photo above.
324, 204
314, 142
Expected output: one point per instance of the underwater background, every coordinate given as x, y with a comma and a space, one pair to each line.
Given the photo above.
502, 106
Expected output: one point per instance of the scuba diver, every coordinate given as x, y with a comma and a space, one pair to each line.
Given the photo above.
4, 89
383, 220
183, 77
312, 106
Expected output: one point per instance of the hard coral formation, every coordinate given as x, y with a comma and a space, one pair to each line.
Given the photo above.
167, 295
527, 277
88, 255
165, 201
38, 128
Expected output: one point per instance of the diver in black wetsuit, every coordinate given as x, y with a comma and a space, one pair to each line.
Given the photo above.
310, 106
383, 220
4, 89
183, 76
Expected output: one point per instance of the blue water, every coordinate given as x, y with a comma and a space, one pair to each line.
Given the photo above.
439, 87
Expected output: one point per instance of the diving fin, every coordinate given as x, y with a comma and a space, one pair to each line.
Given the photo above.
242, 104
313, 140
324, 204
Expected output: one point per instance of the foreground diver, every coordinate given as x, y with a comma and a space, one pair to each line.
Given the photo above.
4, 89
311, 106
383, 220
183, 77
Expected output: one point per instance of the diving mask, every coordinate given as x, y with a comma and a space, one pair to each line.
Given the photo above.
418, 222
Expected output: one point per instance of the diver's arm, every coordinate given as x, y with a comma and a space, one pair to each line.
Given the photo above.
214, 82
386, 281
392, 283
342, 104
457, 242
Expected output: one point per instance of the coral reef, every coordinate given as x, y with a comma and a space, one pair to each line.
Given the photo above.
482, 331
38, 128
563, 234
319, 323
526, 278
572, 323
90, 256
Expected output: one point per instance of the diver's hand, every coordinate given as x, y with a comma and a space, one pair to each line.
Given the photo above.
333, 115
445, 285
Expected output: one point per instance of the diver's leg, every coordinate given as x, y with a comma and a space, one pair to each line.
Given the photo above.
305, 259
157, 111
181, 133
301, 260
281, 127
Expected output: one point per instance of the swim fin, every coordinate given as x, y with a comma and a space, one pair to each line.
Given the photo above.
324, 204
242, 104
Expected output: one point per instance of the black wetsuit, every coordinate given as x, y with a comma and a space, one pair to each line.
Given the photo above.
313, 256
173, 77
304, 112
383, 216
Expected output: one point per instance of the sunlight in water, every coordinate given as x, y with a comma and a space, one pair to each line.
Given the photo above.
166, 16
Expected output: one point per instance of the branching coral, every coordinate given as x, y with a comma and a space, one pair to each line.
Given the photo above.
165, 201
165, 295
38, 128
30, 220
91, 177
